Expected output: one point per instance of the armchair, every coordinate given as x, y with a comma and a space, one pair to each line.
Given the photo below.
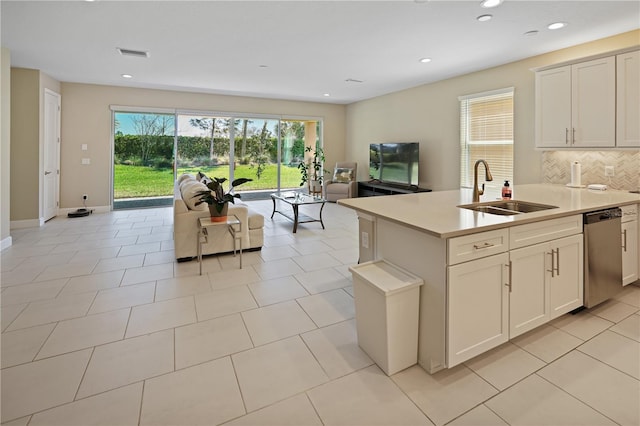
344, 182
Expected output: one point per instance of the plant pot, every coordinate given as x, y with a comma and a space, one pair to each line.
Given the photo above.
315, 187
218, 216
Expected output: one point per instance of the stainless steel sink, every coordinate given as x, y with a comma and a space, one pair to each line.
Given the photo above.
507, 207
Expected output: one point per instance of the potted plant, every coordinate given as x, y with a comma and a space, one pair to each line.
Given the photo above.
311, 169
217, 199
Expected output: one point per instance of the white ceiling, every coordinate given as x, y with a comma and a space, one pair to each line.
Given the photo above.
309, 47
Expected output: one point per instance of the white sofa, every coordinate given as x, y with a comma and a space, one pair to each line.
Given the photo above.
185, 223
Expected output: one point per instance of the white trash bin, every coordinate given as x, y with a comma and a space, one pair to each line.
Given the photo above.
387, 301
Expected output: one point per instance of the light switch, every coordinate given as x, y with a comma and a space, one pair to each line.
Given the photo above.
84, 147
86, 161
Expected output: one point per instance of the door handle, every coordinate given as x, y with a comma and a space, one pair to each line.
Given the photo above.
510, 282
47, 173
553, 264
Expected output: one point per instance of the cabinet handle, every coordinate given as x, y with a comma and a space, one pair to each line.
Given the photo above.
558, 261
566, 135
510, 282
573, 136
483, 246
624, 239
553, 263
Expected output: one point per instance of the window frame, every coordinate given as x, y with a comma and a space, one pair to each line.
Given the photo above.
498, 148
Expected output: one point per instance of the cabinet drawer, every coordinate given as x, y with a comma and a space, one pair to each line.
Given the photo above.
629, 213
475, 246
546, 230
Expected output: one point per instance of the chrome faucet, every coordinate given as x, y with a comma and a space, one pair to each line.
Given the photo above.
478, 192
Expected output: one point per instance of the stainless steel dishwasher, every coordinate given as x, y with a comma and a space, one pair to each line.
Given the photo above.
602, 255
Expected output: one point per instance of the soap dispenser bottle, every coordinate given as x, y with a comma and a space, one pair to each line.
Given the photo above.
506, 191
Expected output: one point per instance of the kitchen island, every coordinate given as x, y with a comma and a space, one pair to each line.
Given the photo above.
487, 278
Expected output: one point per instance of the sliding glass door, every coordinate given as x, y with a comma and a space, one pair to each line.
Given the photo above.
264, 149
143, 159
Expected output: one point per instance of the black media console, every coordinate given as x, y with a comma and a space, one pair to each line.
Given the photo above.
372, 189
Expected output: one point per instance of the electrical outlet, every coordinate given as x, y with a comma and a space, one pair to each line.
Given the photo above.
608, 171
85, 196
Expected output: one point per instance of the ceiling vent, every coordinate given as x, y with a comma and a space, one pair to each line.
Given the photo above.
131, 52
353, 80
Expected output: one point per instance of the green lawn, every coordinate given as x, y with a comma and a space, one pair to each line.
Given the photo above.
141, 181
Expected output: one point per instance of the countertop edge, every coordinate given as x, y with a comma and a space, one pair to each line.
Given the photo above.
525, 218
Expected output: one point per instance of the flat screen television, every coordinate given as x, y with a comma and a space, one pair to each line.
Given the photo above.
394, 163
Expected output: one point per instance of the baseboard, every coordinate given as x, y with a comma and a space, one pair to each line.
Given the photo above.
6, 243
35, 223
29, 223
95, 209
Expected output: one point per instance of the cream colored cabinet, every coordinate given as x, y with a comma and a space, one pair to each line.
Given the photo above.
546, 281
628, 100
630, 239
566, 283
576, 105
477, 307
528, 295
546, 276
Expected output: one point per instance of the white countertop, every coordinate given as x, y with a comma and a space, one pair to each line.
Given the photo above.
436, 213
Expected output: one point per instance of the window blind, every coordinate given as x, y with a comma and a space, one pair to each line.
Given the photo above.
486, 132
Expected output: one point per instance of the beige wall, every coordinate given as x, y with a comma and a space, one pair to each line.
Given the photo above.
27, 139
5, 142
86, 118
25, 107
429, 114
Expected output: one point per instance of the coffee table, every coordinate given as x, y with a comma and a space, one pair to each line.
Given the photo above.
295, 200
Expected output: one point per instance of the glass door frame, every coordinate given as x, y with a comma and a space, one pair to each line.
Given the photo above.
211, 113
232, 132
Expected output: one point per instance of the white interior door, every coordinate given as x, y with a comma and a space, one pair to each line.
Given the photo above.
51, 166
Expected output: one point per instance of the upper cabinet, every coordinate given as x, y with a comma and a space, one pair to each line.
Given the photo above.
628, 100
576, 105
591, 104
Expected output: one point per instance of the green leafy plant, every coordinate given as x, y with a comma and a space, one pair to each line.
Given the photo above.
216, 195
311, 170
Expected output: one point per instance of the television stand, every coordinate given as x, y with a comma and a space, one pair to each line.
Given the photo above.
375, 188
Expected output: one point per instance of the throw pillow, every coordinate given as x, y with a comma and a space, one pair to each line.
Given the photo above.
188, 192
342, 175
185, 177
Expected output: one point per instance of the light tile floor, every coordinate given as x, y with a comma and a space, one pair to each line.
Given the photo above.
101, 326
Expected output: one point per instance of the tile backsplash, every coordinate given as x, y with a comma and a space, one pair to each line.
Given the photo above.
556, 167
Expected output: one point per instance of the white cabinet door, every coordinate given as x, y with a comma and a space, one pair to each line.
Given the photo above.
629, 252
553, 107
478, 307
593, 106
566, 284
528, 296
576, 105
628, 100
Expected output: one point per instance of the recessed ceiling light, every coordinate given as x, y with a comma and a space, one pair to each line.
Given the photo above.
127, 76
425, 60
531, 33
557, 25
326, 95
490, 3
484, 18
